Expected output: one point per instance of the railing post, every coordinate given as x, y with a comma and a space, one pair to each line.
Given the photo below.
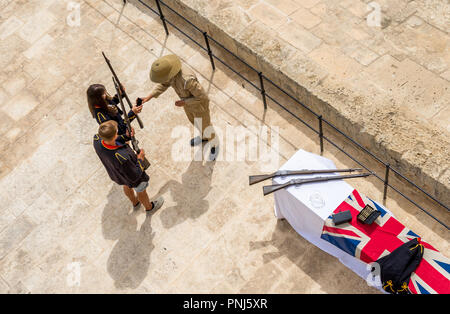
320, 134
209, 50
263, 92
161, 15
386, 181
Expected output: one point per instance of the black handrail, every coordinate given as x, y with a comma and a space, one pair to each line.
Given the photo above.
319, 117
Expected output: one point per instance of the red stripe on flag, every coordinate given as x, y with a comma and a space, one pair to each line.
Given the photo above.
411, 287
392, 226
428, 246
437, 281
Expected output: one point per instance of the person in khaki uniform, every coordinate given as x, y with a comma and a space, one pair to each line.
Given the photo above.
168, 71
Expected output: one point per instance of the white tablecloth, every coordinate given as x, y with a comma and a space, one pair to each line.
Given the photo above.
306, 207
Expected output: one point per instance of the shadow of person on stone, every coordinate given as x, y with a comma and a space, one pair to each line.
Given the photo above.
129, 260
284, 240
189, 194
319, 266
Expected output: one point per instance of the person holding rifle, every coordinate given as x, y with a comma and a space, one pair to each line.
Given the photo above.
124, 166
168, 72
103, 108
134, 141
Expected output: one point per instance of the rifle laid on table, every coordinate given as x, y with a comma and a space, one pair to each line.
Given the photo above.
141, 125
282, 173
272, 188
134, 141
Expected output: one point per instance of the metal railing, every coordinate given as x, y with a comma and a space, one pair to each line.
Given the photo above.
264, 97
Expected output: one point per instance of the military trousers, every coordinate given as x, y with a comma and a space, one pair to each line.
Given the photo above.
200, 117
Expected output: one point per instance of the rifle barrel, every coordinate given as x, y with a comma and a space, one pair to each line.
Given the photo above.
275, 187
141, 125
259, 178
122, 106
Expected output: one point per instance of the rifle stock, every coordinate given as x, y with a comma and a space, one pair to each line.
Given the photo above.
258, 178
141, 125
272, 188
145, 163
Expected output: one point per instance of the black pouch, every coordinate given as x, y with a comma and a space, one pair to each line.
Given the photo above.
368, 215
342, 217
396, 268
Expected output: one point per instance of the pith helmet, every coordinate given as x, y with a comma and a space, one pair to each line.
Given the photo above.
165, 68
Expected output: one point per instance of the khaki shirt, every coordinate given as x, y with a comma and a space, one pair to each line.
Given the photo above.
186, 86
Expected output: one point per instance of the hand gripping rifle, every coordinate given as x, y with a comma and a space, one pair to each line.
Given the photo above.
272, 188
134, 141
282, 173
141, 125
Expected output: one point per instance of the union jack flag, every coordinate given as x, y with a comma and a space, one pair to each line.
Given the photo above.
371, 242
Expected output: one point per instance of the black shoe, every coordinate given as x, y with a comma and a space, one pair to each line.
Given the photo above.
196, 141
213, 153
138, 204
156, 204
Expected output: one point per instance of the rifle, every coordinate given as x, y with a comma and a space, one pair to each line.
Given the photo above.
134, 141
141, 125
272, 188
282, 173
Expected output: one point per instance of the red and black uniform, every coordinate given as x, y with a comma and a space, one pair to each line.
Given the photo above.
120, 162
102, 115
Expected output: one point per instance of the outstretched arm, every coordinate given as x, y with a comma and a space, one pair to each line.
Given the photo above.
157, 90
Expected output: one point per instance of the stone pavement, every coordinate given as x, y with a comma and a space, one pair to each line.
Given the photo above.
65, 227
377, 69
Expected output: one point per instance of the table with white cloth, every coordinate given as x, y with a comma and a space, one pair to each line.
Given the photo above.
308, 208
